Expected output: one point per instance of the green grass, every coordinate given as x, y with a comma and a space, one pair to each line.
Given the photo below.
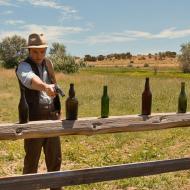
125, 86
137, 72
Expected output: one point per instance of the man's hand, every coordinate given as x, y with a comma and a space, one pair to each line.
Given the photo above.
38, 84
50, 90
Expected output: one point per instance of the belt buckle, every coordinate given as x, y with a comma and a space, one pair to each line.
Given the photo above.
46, 106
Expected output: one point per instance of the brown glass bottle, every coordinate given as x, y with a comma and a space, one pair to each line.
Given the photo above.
182, 100
146, 99
71, 105
23, 107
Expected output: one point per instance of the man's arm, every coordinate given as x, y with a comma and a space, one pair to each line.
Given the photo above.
38, 84
32, 81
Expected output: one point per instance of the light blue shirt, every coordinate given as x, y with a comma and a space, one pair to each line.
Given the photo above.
25, 75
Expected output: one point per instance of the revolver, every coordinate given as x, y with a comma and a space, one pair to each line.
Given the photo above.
59, 90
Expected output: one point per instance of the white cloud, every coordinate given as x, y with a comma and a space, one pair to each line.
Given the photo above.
66, 16
8, 12
130, 35
14, 22
172, 33
108, 38
51, 4
7, 3
66, 11
52, 33
58, 33
136, 34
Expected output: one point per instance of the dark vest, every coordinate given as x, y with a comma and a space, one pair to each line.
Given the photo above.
32, 96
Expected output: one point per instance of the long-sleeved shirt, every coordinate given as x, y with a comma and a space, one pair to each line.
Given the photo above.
25, 75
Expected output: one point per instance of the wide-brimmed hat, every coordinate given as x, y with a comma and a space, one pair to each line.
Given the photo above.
37, 41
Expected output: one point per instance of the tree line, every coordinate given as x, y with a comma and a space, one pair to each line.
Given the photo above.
128, 55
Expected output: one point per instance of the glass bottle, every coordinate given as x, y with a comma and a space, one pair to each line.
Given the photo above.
146, 99
23, 107
105, 103
182, 100
71, 105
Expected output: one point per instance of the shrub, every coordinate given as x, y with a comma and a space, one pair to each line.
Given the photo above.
82, 63
62, 62
90, 58
184, 58
129, 65
11, 52
146, 65
100, 58
66, 64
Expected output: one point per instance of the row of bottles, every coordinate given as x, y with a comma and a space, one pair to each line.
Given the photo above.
71, 104
147, 99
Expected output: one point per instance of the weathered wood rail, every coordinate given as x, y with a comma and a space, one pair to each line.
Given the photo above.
92, 175
92, 126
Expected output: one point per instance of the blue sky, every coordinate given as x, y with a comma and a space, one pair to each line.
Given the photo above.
101, 26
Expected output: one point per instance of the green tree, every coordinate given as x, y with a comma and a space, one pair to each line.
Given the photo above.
100, 57
62, 62
66, 64
11, 50
184, 58
57, 49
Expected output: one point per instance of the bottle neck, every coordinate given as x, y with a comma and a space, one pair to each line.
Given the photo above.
71, 91
105, 91
182, 88
147, 86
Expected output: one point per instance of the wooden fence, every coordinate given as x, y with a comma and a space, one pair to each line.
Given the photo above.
92, 126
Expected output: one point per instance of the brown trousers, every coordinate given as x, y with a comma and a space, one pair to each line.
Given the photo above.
51, 147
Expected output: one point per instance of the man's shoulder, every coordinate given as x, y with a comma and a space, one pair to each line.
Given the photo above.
48, 60
23, 65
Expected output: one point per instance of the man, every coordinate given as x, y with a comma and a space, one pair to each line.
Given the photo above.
36, 76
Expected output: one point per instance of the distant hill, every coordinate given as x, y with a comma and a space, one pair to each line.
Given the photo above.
137, 61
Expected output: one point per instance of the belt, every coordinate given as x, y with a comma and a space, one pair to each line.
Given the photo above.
44, 112
49, 107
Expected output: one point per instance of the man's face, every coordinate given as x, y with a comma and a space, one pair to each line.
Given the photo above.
37, 54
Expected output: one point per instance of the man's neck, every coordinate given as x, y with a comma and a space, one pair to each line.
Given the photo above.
34, 61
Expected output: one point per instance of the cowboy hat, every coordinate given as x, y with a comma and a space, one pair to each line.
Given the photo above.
36, 41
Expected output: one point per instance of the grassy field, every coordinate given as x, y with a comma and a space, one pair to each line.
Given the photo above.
125, 86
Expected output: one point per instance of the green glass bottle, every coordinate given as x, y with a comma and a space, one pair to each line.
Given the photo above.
105, 103
71, 105
182, 100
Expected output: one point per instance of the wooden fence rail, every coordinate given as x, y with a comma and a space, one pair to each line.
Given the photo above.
92, 126
86, 176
